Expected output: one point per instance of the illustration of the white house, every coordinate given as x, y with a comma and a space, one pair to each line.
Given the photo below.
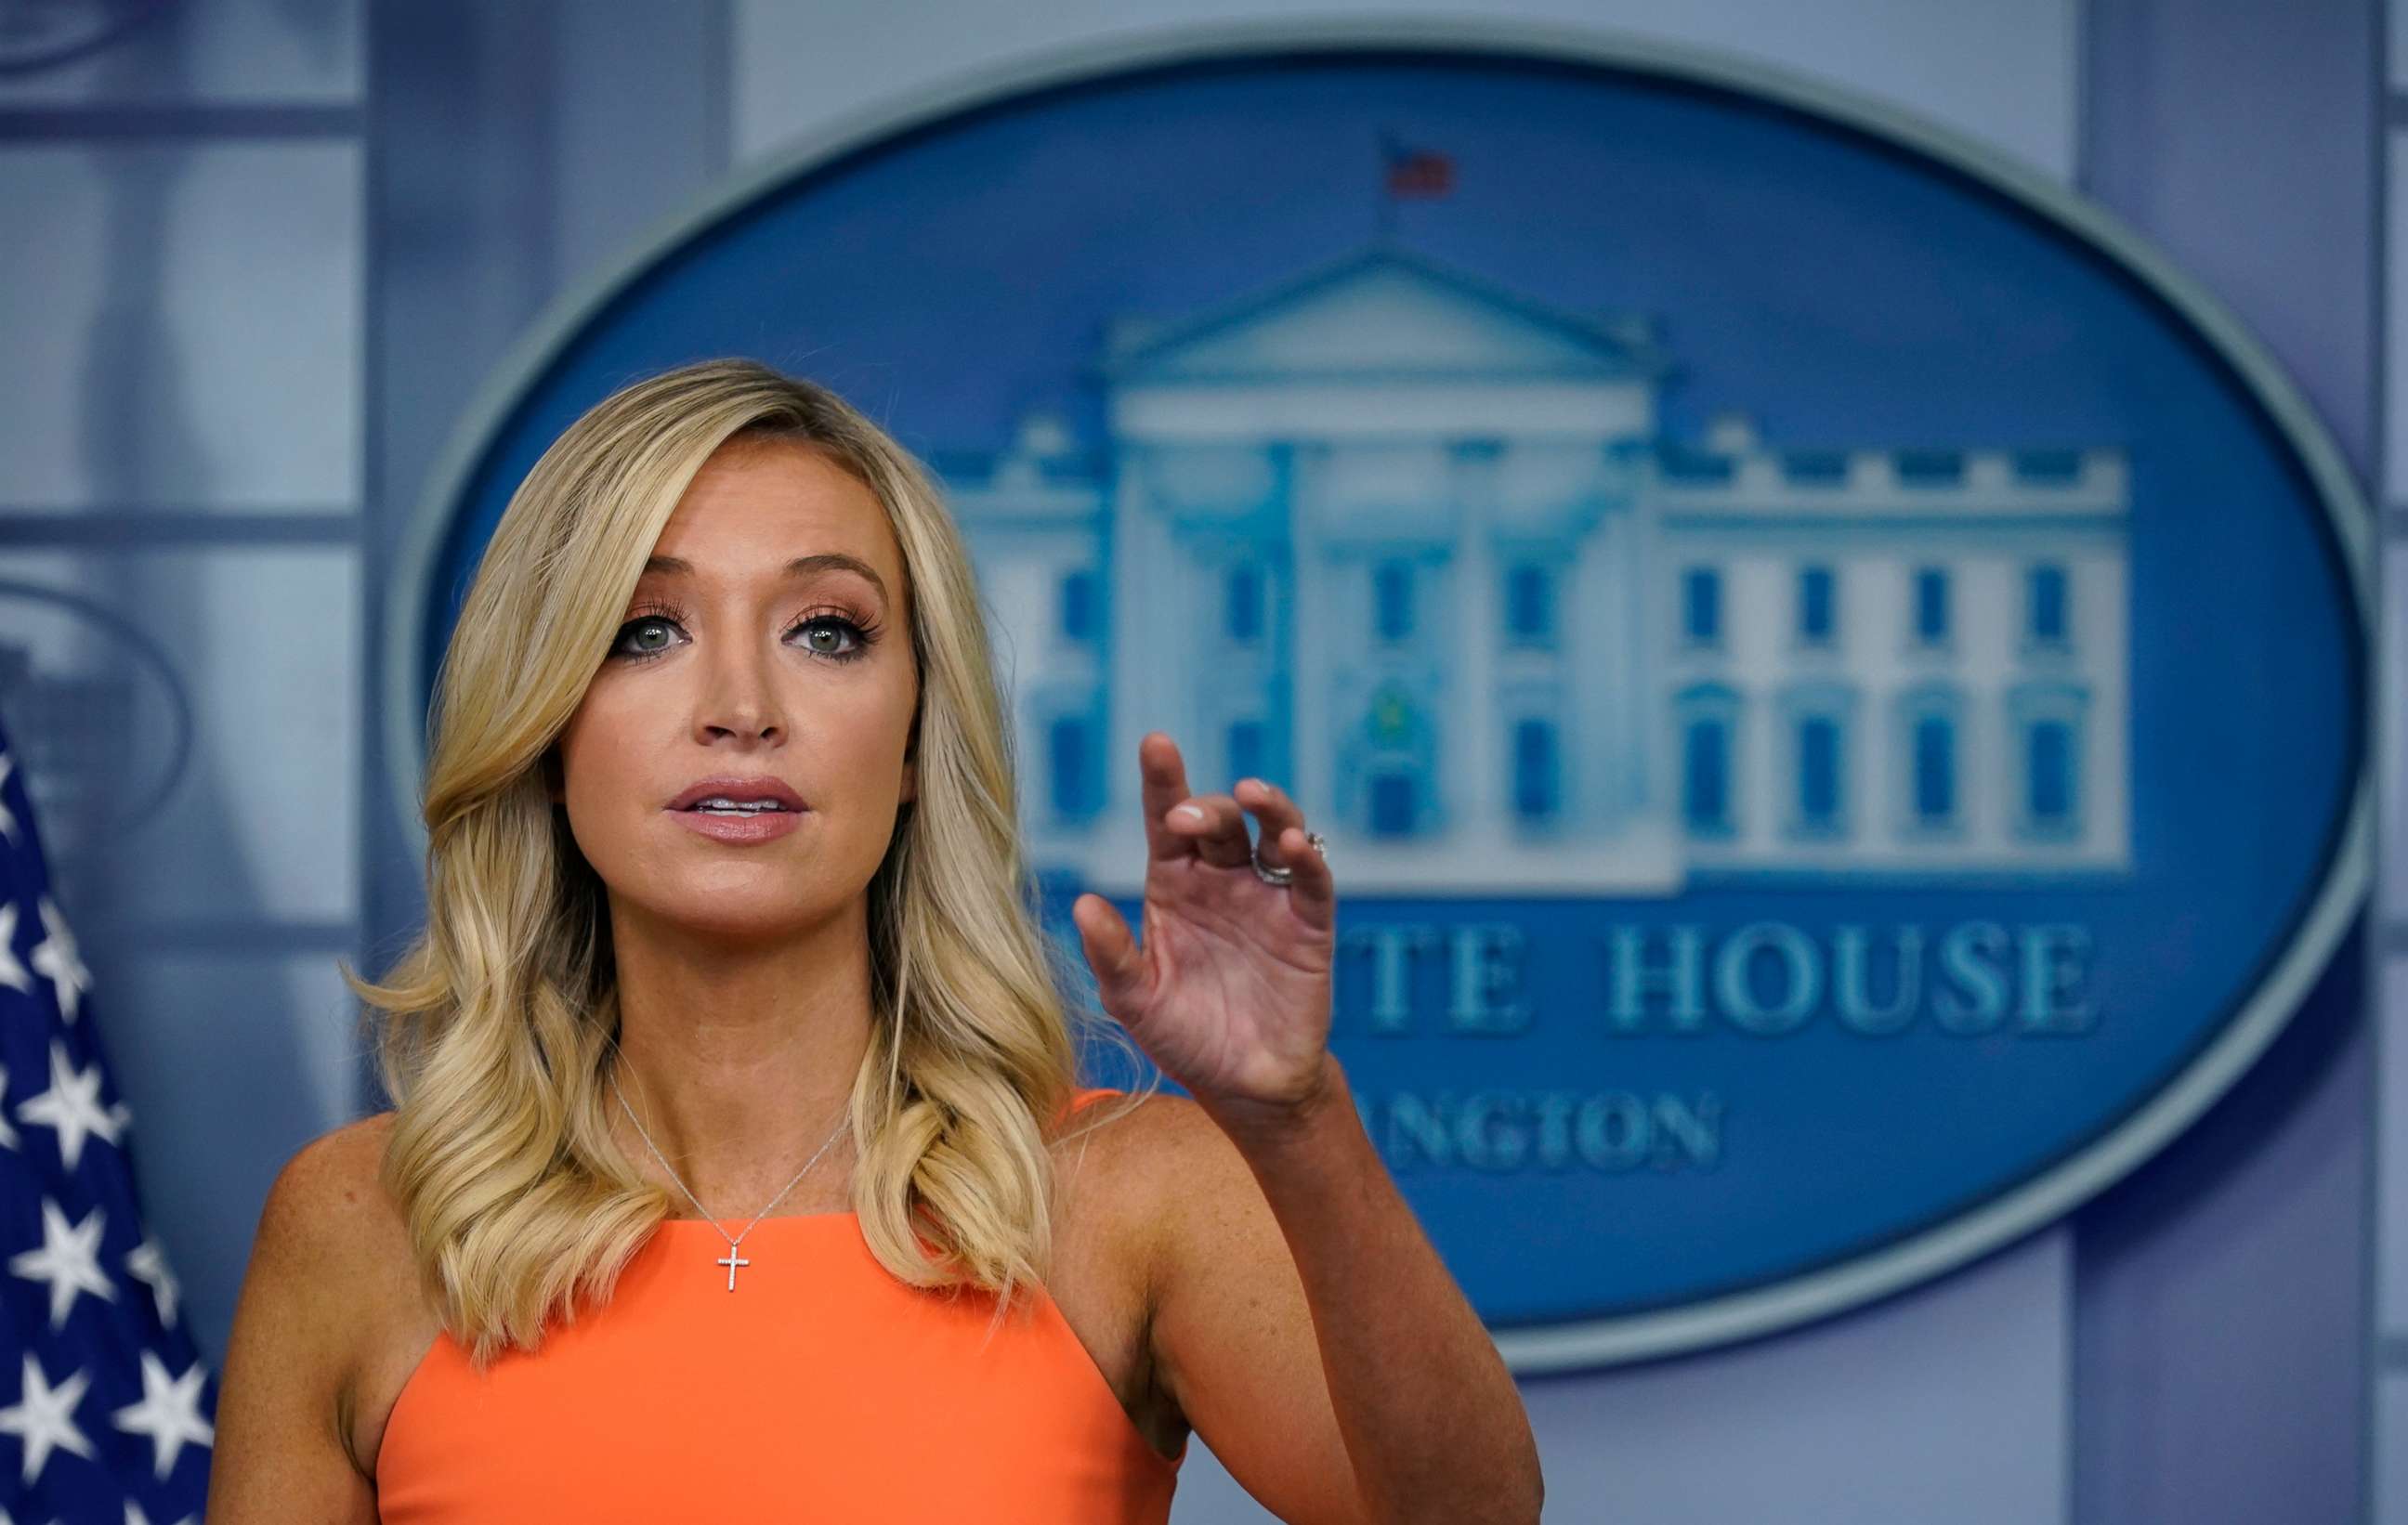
1415, 548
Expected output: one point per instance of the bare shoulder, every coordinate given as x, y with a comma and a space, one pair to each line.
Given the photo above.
345, 1244
1165, 1166
1140, 1139
328, 1207
307, 1312
337, 1171
325, 1200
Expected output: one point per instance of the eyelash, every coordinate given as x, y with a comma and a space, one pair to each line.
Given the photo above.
865, 633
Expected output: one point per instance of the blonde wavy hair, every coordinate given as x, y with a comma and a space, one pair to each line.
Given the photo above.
498, 1025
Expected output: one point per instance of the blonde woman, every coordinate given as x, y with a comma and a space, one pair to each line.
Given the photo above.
737, 1167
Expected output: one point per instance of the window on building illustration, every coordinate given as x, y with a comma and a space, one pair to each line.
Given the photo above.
1393, 594
1935, 769
2046, 621
1067, 762
1245, 750
2049, 774
1243, 589
1818, 771
1393, 800
1705, 775
2047, 720
1079, 606
1534, 768
1529, 604
1701, 613
1816, 617
1931, 605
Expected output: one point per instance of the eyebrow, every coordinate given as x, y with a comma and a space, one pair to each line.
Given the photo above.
801, 566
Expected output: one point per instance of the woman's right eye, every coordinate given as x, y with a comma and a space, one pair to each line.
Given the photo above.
621, 647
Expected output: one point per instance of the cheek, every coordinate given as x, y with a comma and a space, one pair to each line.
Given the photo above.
598, 758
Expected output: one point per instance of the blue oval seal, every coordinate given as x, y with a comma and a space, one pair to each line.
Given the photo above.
1749, 585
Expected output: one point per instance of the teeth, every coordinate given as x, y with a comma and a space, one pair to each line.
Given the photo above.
725, 807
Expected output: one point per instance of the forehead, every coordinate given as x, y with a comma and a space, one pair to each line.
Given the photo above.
755, 506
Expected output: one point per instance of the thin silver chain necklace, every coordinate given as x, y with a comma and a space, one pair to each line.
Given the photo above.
733, 1259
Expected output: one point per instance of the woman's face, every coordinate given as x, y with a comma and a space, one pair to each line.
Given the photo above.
732, 664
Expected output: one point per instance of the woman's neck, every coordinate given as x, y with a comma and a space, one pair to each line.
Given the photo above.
738, 1066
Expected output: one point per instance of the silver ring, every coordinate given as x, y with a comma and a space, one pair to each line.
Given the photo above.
1282, 876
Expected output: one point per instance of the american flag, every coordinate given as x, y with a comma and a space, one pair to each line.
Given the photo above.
107, 1411
1415, 172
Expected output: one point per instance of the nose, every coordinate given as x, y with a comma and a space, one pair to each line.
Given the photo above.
740, 697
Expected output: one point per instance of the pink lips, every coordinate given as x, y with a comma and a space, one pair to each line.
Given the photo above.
742, 790
764, 826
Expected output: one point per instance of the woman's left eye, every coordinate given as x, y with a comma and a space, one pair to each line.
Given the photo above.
832, 625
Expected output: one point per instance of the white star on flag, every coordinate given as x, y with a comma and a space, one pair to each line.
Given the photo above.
169, 1412
55, 960
69, 1261
71, 1105
44, 1416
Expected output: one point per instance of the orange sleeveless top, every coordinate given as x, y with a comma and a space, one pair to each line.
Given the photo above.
822, 1389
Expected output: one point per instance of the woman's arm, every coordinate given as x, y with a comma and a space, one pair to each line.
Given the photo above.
1301, 1317
1312, 1336
278, 1454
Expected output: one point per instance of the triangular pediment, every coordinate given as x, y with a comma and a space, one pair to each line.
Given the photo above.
1385, 313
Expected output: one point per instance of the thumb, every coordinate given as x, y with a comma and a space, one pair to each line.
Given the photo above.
1111, 951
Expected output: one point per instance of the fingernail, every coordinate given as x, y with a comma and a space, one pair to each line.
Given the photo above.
1189, 811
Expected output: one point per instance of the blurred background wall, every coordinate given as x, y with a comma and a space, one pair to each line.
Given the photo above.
256, 257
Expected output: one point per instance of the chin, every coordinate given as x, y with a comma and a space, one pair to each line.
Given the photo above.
740, 928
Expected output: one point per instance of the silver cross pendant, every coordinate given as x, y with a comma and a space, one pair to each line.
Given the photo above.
731, 1262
